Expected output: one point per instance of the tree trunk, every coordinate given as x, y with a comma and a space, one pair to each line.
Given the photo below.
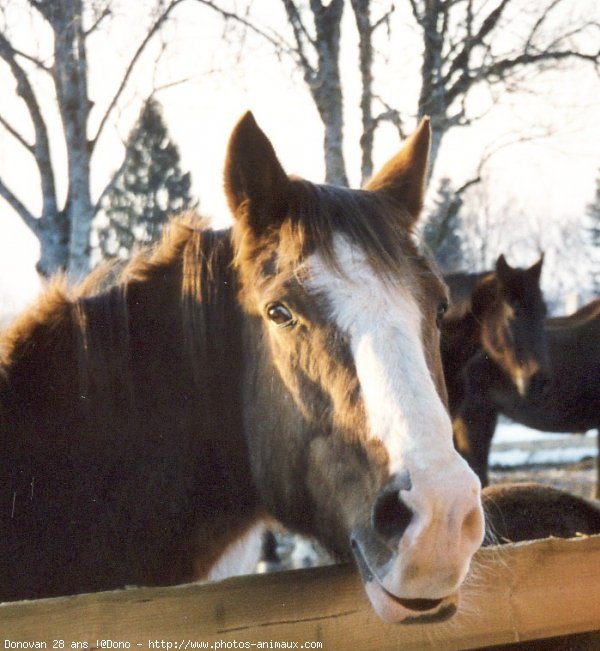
326, 88
362, 15
53, 234
70, 76
432, 100
329, 104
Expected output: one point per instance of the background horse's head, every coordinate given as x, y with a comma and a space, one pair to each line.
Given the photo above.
347, 429
512, 311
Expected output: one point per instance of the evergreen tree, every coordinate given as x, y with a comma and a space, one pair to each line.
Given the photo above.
149, 188
593, 212
441, 232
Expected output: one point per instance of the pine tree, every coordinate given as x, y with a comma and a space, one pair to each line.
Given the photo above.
593, 213
148, 189
441, 232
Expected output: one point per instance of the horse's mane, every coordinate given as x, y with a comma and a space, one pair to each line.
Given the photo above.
100, 312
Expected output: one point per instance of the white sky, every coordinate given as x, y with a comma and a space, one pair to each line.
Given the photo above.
549, 179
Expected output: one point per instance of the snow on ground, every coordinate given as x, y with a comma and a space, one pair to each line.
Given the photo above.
519, 457
509, 432
517, 445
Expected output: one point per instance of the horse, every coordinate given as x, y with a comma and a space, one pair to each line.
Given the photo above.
531, 511
502, 311
505, 356
287, 367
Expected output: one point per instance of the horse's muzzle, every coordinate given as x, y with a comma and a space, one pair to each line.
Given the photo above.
394, 609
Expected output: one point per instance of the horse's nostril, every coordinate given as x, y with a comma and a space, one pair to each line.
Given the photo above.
391, 516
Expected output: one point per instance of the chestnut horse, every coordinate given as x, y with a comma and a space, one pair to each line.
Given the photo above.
288, 367
504, 356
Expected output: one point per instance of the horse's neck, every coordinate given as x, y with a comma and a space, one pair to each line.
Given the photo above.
460, 341
461, 337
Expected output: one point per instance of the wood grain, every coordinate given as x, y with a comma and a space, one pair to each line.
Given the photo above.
516, 592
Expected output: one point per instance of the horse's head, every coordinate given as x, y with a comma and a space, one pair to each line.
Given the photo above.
348, 433
512, 312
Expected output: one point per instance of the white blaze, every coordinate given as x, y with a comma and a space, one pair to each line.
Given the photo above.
406, 413
383, 322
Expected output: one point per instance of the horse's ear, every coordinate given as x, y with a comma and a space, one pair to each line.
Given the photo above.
254, 179
535, 271
503, 269
403, 176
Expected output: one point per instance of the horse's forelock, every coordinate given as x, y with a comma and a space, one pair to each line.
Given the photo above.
316, 213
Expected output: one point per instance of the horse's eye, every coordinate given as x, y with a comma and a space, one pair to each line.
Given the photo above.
280, 315
441, 311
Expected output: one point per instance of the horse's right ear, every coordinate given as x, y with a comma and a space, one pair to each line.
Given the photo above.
404, 176
536, 269
255, 183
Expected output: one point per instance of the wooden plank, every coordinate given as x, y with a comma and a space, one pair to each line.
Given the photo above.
516, 592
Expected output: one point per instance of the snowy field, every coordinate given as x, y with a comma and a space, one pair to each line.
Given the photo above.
517, 445
566, 461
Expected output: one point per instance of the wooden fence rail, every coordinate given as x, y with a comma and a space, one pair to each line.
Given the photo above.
517, 592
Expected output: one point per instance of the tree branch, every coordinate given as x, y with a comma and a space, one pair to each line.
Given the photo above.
15, 134
462, 59
385, 19
300, 31
539, 22
41, 145
28, 219
39, 64
103, 14
415, 11
276, 41
499, 68
138, 53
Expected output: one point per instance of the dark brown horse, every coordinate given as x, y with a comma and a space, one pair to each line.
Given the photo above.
288, 367
502, 311
504, 356
529, 511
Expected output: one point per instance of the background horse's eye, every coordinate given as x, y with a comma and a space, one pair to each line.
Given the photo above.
441, 310
279, 314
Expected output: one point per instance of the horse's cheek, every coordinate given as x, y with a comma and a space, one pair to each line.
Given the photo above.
341, 472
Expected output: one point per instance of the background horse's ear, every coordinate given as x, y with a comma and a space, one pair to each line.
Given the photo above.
503, 269
254, 177
403, 176
536, 270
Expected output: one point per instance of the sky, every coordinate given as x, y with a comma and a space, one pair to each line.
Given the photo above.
546, 180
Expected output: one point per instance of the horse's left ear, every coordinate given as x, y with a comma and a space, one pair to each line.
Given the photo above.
536, 270
403, 176
255, 181
503, 269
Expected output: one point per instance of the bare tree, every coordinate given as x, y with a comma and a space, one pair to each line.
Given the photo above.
488, 230
465, 44
64, 230
314, 48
